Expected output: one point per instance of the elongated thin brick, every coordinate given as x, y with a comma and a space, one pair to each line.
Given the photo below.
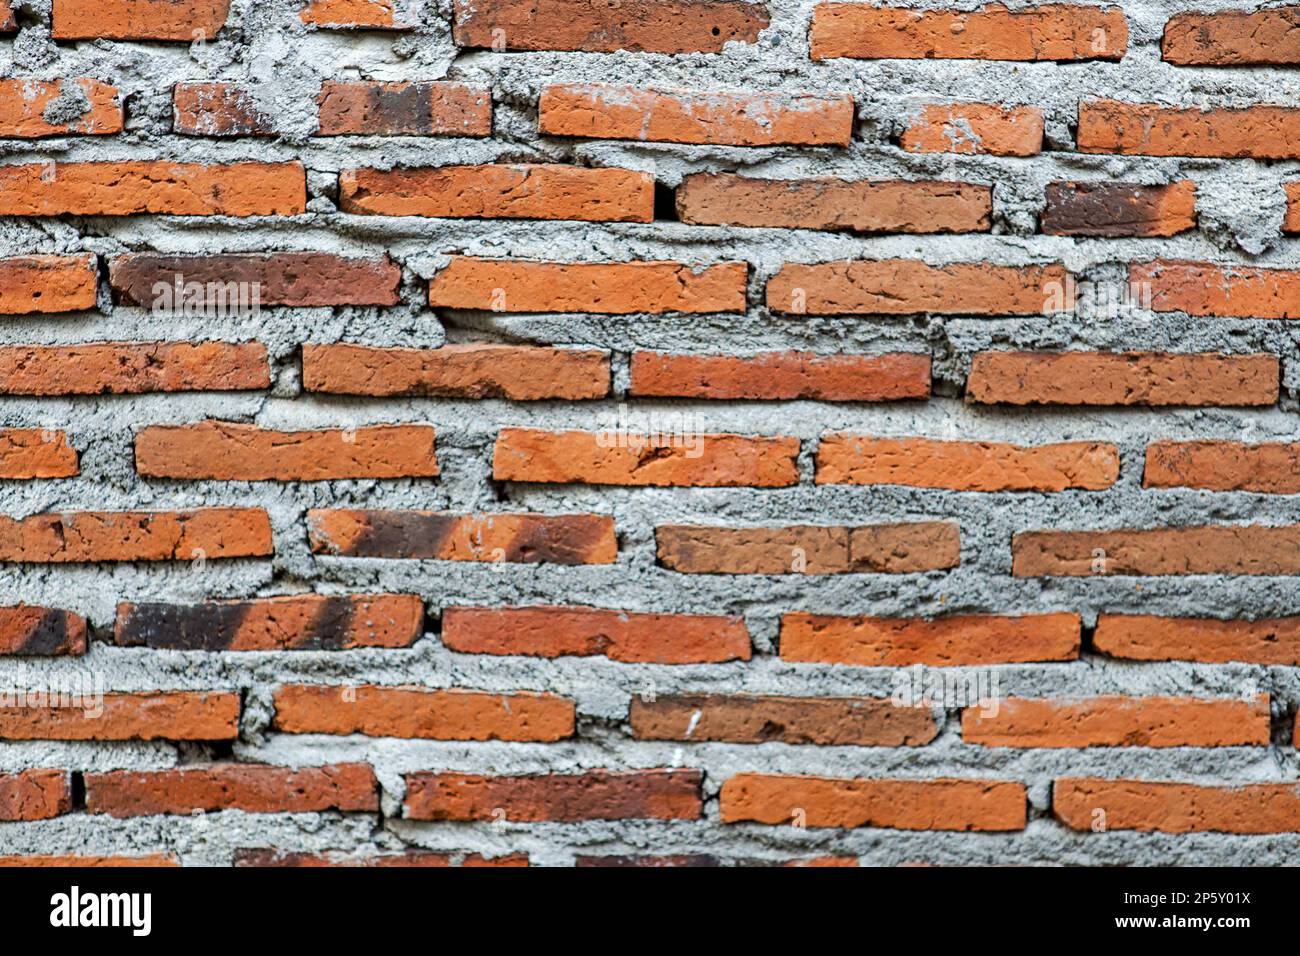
651, 26
226, 451
422, 713
1259, 132
516, 538
516, 372
606, 458
1123, 378
783, 376
609, 288
1119, 209
1269, 468
1148, 637
969, 128
179, 20
1234, 38
610, 111
910, 286
310, 622
750, 719
834, 204
974, 639
423, 108
1203, 288
132, 368
194, 715
351, 14
36, 453
78, 536
404, 859
219, 109
562, 798
35, 794
1168, 807
1208, 549
589, 631
1291, 222
41, 631
1116, 721
499, 191
249, 787
96, 861
945, 804
30, 284
24, 102
810, 549
233, 281
1050, 31
847, 459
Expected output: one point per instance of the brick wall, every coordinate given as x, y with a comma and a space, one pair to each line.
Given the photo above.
648, 432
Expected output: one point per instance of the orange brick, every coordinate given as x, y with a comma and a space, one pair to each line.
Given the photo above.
1272, 468
36, 453
608, 288
847, 459
31, 284
219, 109
132, 368
1291, 222
83, 536
974, 639
1166, 807
1202, 288
810, 549
561, 798
146, 716
975, 128
41, 631
365, 108
23, 103
35, 794
181, 20
1149, 638
421, 713
1233, 38
351, 14
152, 860
782, 376
1259, 132
1209, 549
891, 804
589, 631
610, 111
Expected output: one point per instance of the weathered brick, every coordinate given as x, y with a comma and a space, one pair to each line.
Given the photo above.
810, 549
1202, 288
182, 20
944, 804
1291, 221
975, 639
84, 536
1234, 38
351, 14
1208, 549
515, 372
8, 22
1259, 132
30, 284
750, 719
226, 451
219, 109
517, 538
1051, 31
501, 192
611, 111
132, 187
650, 26
562, 798
1123, 378
421, 108
1115, 721
49, 860
36, 453
132, 368
1119, 209
281, 278
1271, 468
310, 622
608, 288
159, 715
23, 103
35, 794
834, 204
589, 631
422, 713
1166, 807
969, 128
1148, 637
406, 858
41, 631
848, 459
782, 376
604, 458
253, 788
910, 286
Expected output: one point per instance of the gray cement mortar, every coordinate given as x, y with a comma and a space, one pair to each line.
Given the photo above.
1240, 207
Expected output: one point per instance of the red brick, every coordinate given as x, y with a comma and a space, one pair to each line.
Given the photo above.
1115, 721
608, 288
41, 631
498, 537
501, 192
1166, 807
1202, 288
847, 459
1052, 31
810, 549
31, 284
970, 128
1272, 468
1111, 210
225, 451
1209, 549
35, 794
422, 108
1259, 132
422, 713
8, 22
253, 788
589, 631
1234, 38
1150, 638
182, 20
218, 109
1123, 378
781, 376
975, 639
406, 858
145, 716
23, 103
61, 862
561, 798
132, 368
84, 536
834, 204
515, 372
909, 286
892, 804
611, 111
36, 453
351, 14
